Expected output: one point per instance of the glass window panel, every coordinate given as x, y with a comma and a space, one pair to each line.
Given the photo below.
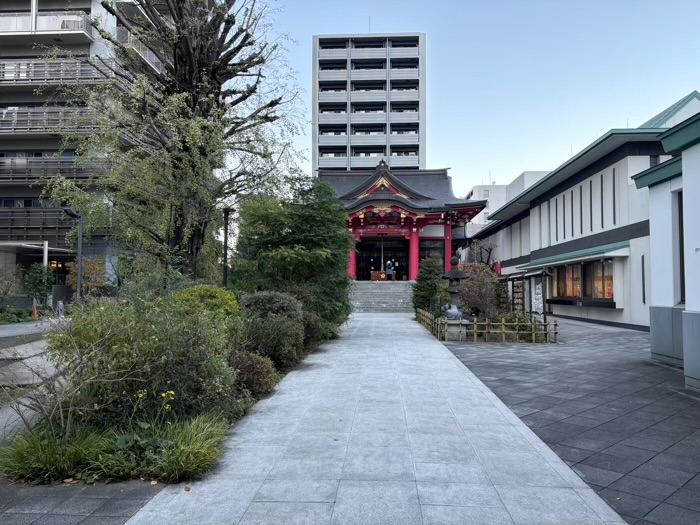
561, 281
598, 288
577, 280
608, 278
569, 281
588, 279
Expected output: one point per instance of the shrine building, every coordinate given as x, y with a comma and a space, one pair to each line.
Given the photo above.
401, 216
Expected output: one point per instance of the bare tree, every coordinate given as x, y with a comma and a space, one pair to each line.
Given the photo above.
483, 251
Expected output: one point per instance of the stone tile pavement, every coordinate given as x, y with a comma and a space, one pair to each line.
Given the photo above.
625, 424
382, 426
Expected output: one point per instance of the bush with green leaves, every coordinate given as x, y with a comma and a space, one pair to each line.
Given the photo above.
254, 372
40, 281
427, 290
268, 304
114, 351
209, 298
313, 331
277, 337
177, 450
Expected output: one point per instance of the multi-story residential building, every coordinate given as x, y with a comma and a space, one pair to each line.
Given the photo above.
32, 112
369, 101
576, 243
495, 197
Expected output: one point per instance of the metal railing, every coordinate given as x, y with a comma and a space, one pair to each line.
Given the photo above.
51, 120
46, 22
29, 170
40, 72
125, 37
34, 224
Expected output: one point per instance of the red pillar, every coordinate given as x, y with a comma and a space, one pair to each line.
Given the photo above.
413, 254
352, 262
448, 246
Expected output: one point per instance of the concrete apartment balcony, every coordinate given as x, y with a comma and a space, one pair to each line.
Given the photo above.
368, 96
333, 96
404, 74
34, 224
373, 52
22, 171
368, 140
404, 161
333, 74
365, 162
404, 139
67, 27
332, 118
332, 162
368, 118
333, 54
404, 116
45, 120
404, 52
28, 73
332, 140
125, 37
368, 74
400, 95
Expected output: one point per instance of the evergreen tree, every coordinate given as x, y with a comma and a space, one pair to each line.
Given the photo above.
426, 291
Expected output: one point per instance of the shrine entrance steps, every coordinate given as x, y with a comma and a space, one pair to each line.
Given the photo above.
382, 296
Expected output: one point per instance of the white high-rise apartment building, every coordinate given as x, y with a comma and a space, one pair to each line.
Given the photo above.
369, 101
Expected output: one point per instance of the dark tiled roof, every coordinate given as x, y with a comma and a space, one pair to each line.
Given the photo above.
435, 186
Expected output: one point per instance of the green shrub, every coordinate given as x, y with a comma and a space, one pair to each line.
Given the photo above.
45, 455
427, 290
313, 331
279, 338
208, 297
16, 315
479, 292
121, 358
255, 373
266, 304
169, 451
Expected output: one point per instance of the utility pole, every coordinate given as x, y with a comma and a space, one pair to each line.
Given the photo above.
226, 214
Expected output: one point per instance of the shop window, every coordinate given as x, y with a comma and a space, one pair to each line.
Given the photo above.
591, 280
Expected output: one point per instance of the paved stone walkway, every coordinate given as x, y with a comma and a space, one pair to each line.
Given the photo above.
624, 423
382, 426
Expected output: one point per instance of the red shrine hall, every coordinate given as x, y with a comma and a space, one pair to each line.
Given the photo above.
400, 216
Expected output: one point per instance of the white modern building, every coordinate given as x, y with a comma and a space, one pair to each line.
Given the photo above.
576, 243
674, 193
369, 101
494, 194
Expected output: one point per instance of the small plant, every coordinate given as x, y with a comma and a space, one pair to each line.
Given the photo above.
40, 280
255, 373
208, 297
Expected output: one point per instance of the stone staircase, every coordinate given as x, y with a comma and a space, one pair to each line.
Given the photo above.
382, 296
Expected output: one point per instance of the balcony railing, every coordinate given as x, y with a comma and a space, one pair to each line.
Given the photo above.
125, 37
46, 120
34, 224
41, 72
23, 171
50, 22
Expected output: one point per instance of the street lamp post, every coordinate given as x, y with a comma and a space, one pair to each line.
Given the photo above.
74, 215
226, 214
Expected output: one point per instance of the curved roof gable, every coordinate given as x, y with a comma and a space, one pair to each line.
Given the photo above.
383, 178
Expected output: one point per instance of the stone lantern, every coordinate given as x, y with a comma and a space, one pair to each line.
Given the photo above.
455, 275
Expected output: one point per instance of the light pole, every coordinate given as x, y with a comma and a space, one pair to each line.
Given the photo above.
74, 215
226, 213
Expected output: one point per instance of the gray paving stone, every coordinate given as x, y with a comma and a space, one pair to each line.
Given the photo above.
519, 468
120, 507
59, 519
628, 504
447, 515
36, 505
379, 439
104, 520
311, 491
497, 437
432, 448
79, 506
375, 502
379, 463
433, 424
686, 497
452, 472
644, 487
10, 518
666, 514
459, 494
306, 469
547, 506
296, 513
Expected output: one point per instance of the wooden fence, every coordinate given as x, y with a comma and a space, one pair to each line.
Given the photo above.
489, 330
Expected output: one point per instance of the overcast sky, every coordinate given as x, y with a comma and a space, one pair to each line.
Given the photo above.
516, 85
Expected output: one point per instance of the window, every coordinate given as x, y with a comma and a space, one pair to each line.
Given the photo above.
653, 161
681, 245
602, 224
556, 220
572, 213
590, 198
580, 199
590, 280
486, 193
563, 215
